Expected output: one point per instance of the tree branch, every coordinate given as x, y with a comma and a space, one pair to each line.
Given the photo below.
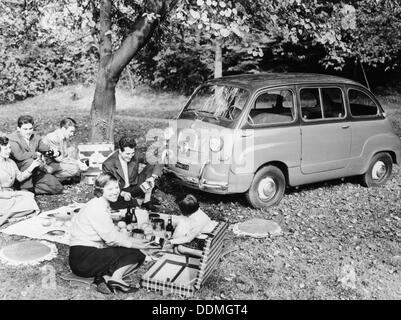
142, 32
105, 44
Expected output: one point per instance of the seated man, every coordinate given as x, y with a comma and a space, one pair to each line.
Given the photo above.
124, 165
25, 148
66, 166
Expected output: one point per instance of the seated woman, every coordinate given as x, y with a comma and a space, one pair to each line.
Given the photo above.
97, 248
14, 203
192, 223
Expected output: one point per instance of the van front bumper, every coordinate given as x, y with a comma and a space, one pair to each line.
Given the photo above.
234, 183
200, 182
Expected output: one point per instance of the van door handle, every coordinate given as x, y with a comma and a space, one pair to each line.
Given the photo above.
246, 134
346, 126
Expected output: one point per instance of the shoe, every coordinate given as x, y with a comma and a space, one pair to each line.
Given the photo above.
102, 286
115, 286
149, 206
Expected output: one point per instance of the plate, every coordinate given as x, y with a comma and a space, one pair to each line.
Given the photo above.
61, 215
55, 232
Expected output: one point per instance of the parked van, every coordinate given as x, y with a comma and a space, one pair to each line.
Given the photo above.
258, 134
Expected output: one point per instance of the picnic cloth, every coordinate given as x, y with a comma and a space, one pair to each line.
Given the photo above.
28, 252
53, 225
257, 228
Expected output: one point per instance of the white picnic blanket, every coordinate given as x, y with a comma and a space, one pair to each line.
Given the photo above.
57, 222
37, 228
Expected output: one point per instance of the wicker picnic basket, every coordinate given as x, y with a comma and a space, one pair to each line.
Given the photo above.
184, 275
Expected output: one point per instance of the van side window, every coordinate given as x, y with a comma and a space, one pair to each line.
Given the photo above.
310, 104
274, 106
333, 104
361, 104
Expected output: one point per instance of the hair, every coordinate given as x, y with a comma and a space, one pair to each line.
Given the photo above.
24, 120
100, 182
68, 122
126, 142
3, 141
188, 205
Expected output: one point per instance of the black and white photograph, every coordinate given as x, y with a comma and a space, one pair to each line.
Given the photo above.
212, 152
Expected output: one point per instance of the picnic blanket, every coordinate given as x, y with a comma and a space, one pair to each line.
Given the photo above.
53, 225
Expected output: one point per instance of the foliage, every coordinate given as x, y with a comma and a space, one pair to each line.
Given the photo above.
45, 44
39, 54
378, 36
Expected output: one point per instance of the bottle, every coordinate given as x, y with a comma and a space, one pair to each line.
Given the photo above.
169, 228
134, 219
129, 215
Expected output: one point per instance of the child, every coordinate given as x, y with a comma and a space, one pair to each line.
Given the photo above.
192, 223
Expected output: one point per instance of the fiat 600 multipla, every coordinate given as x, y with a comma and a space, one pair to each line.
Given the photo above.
258, 134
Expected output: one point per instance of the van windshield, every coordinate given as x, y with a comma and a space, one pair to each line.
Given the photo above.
216, 103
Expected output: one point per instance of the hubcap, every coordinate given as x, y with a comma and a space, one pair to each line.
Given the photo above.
267, 189
379, 170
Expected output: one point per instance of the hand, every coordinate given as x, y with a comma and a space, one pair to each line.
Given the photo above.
38, 155
82, 166
36, 163
151, 180
126, 195
168, 245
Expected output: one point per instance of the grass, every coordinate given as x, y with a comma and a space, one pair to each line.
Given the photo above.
327, 227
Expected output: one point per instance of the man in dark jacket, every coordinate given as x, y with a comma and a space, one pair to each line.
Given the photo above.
124, 165
26, 147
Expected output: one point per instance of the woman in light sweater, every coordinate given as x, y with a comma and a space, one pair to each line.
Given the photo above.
97, 249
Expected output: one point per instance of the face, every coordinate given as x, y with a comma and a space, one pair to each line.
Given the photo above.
26, 130
69, 132
111, 191
5, 151
127, 154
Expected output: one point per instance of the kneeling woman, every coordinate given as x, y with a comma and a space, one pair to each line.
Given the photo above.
14, 203
97, 248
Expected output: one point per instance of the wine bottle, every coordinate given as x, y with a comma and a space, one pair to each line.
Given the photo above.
129, 215
169, 228
134, 219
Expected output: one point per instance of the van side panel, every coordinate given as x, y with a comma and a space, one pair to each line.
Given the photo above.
257, 147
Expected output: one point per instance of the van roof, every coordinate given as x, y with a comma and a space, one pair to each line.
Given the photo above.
262, 80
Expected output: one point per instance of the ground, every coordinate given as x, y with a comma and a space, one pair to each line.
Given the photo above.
340, 240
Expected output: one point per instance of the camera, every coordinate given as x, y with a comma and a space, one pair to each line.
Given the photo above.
49, 153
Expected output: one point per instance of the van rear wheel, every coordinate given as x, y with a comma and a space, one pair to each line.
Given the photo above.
267, 187
379, 170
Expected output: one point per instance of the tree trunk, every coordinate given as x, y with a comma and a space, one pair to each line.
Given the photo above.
218, 60
104, 102
112, 64
103, 109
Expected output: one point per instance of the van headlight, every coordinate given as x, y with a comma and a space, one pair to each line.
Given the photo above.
216, 144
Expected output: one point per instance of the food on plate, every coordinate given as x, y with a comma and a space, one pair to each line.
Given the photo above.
46, 222
121, 224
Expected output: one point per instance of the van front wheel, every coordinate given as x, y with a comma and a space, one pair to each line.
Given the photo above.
267, 188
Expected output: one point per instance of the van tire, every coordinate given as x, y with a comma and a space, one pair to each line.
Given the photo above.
379, 170
267, 187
